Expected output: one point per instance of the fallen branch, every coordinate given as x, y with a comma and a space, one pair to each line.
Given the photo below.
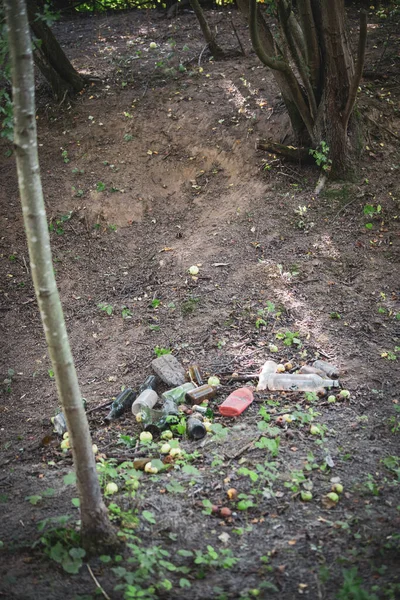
106, 596
100, 406
300, 155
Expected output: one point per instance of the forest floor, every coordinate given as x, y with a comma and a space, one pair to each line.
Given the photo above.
151, 170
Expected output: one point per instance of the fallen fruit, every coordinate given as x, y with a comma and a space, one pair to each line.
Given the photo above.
333, 497
288, 366
331, 399
153, 45
111, 488
337, 487
208, 426
150, 469
95, 449
66, 435
166, 435
225, 512
145, 436
133, 483
175, 452
65, 445
306, 496
287, 418
344, 394
280, 369
213, 381
165, 448
215, 509
314, 430
273, 348
193, 270
232, 494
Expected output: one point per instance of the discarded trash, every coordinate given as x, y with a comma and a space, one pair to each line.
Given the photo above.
204, 392
122, 403
268, 368
328, 368
178, 394
147, 399
150, 383
309, 370
300, 383
203, 410
169, 370
195, 375
195, 428
59, 423
236, 402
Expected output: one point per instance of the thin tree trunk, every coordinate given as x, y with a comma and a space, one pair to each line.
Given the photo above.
205, 28
51, 59
96, 529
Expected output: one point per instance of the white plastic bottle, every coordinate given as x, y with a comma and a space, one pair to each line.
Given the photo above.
147, 399
300, 383
268, 369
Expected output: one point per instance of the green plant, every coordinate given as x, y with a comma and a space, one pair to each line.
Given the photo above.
107, 308
58, 227
289, 338
189, 306
223, 559
126, 313
155, 303
321, 156
100, 187
8, 380
61, 544
394, 420
158, 351
64, 155
392, 463
351, 588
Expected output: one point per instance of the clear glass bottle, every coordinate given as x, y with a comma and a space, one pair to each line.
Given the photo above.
300, 383
178, 394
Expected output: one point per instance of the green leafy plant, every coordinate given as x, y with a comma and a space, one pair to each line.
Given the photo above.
126, 313
100, 187
158, 351
107, 308
321, 156
64, 155
61, 544
290, 338
351, 588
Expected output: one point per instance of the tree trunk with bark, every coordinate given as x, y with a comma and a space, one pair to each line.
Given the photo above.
215, 50
50, 57
96, 529
314, 67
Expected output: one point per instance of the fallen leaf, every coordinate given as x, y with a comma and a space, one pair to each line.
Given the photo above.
292, 542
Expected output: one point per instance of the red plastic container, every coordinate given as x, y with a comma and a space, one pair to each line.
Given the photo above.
236, 402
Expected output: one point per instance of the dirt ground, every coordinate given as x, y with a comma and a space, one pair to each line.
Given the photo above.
154, 169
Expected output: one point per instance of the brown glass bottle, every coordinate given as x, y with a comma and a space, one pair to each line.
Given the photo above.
198, 395
195, 375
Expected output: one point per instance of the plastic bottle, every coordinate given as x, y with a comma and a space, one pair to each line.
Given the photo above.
236, 402
328, 368
195, 428
195, 375
147, 399
198, 395
121, 404
308, 370
59, 423
178, 394
269, 367
301, 383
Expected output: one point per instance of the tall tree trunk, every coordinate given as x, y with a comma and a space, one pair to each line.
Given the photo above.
205, 28
281, 79
96, 529
51, 59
